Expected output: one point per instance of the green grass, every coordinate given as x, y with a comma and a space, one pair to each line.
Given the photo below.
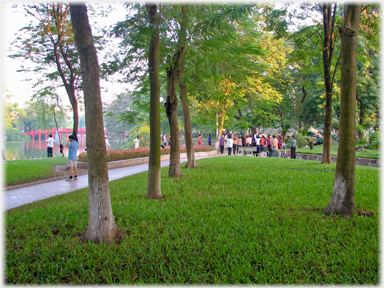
234, 220
21, 171
318, 149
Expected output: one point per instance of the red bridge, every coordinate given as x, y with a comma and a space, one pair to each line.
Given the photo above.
67, 131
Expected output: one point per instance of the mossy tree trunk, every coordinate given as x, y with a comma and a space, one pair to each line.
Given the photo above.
101, 225
154, 166
343, 194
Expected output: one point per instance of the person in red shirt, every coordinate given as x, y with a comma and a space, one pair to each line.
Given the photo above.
262, 142
199, 140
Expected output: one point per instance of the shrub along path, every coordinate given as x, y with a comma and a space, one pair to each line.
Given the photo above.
234, 220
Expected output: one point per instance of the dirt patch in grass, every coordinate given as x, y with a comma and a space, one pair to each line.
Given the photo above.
63, 171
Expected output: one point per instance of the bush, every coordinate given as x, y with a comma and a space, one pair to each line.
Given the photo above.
142, 152
15, 134
374, 140
301, 140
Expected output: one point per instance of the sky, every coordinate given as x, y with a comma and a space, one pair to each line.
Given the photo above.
11, 21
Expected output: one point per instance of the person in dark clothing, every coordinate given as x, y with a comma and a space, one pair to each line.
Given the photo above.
222, 142
293, 145
244, 138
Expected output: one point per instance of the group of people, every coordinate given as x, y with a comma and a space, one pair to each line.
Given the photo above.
50, 144
271, 144
164, 140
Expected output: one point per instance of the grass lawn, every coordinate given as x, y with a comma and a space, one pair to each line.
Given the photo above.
318, 149
20, 171
234, 220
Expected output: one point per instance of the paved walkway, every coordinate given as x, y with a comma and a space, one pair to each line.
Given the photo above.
32, 193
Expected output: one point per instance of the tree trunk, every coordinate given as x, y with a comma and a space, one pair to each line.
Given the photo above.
101, 225
328, 21
171, 109
171, 104
222, 119
154, 170
191, 163
343, 194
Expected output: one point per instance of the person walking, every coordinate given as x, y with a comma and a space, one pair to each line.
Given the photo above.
257, 141
293, 145
209, 139
239, 143
280, 140
169, 139
73, 146
269, 146
235, 141
229, 144
50, 142
249, 141
107, 143
244, 138
263, 141
136, 140
275, 146
222, 142
199, 140
165, 140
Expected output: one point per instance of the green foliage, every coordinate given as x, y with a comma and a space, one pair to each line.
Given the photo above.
374, 140
301, 140
114, 120
268, 229
14, 134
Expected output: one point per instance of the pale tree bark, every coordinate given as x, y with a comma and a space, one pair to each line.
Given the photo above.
191, 163
154, 166
343, 194
101, 225
328, 44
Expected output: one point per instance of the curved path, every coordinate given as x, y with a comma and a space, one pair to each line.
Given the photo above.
32, 193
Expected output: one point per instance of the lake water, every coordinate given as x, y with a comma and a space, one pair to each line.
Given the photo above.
15, 150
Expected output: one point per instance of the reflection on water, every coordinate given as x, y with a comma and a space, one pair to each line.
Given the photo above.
35, 149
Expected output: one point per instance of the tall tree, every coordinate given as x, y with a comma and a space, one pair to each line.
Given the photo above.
329, 20
191, 162
154, 175
101, 225
50, 43
343, 194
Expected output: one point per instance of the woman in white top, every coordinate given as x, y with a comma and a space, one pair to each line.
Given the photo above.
249, 141
107, 143
257, 140
229, 144
136, 140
